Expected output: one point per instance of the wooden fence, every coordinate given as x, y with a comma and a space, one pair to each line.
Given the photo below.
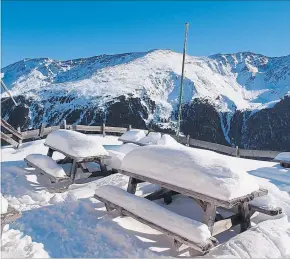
104, 129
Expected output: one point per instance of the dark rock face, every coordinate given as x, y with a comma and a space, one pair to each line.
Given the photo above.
269, 129
201, 121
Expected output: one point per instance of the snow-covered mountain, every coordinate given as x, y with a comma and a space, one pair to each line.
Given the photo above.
220, 92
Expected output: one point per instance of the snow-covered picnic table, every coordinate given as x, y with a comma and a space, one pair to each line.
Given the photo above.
78, 149
209, 180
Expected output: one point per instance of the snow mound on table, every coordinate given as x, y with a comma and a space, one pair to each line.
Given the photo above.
117, 156
15, 245
167, 140
47, 164
132, 135
115, 160
126, 148
193, 230
269, 239
194, 169
285, 156
75, 144
152, 138
4, 205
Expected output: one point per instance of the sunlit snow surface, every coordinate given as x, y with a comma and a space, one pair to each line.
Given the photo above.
73, 224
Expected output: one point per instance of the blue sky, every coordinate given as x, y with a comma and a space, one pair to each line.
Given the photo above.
71, 29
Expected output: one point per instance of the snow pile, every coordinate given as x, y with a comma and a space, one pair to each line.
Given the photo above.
193, 230
47, 164
151, 139
115, 160
15, 245
269, 239
194, 169
284, 156
167, 140
75, 144
4, 205
132, 135
117, 155
126, 148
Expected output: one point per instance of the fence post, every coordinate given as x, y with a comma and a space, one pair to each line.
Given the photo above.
19, 130
237, 151
104, 129
187, 140
129, 127
64, 124
41, 130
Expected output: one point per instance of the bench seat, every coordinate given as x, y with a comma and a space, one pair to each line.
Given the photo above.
48, 167
184, 230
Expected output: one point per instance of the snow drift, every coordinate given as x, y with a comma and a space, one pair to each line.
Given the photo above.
75, 144
202, 171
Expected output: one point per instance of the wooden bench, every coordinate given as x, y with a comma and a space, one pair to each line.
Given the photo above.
47, 166
182, 230
209, 204
10, 216
284, 159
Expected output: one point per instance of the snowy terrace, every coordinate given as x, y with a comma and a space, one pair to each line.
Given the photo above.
74, 224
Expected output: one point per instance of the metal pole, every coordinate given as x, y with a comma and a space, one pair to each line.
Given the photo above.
6, 89
181, 83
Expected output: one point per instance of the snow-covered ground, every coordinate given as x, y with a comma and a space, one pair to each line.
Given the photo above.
73, 224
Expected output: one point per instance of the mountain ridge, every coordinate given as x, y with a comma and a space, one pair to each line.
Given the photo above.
149, 82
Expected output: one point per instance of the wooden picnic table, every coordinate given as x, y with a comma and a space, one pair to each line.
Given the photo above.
209, 204
80, 162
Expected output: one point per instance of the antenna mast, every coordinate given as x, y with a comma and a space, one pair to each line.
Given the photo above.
182, 77
7, 90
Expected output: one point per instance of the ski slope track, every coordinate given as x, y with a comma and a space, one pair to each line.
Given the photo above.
228, 98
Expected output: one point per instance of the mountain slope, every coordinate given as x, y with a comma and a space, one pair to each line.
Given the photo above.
142, 89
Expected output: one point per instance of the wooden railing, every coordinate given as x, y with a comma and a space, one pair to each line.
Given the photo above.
104, 129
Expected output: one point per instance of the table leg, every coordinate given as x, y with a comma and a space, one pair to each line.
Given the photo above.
50, 152
102, 165
132, 185
209, 216
73, 170
245, 216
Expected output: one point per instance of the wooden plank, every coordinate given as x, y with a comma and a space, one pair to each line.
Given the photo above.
258, 153
10, 216
220, 203
115, 130
267, 211
244, 212
213, 146
8, 127
19, 131
88, 128
73, 170
9, 140
52, 178
202, 247
30, 134
209, 216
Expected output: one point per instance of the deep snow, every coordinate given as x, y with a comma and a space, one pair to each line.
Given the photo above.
73, 224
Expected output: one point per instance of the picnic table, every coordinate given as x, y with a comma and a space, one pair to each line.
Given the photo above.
78, 150
186, 171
